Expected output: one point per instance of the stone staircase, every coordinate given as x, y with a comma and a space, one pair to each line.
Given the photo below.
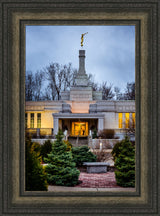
78, 141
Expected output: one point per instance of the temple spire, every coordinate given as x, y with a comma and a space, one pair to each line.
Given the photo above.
81, 78
82, 62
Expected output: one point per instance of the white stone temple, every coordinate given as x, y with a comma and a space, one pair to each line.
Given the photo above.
80, 110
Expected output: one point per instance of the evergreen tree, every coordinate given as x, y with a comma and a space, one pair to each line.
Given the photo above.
94, 134
36, 178
46, 148
125, 163
82, 154
61, 169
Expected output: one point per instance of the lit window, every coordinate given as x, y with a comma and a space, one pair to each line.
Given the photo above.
26, 119
79, 128
32, 121
127, 120
120, 117
133, 120
38, 120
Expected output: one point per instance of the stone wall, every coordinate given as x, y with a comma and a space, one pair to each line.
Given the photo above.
80, 106
65, 95
97, 95
113, 106
42, 141
110, 120
81, 94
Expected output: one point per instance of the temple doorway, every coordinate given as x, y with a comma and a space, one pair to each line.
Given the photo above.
79, 129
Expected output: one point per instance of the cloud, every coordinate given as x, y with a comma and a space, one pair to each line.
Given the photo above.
110, 50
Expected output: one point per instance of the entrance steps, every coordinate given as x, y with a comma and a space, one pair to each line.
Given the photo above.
78, 141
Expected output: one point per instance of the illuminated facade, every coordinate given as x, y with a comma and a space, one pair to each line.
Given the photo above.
80, 110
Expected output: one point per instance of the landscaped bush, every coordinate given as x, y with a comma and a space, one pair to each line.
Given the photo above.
61, 169
69, 145
107, 134
36, 147
82, 154
94, 134
124, 157
46, 148
116, 149
36, 178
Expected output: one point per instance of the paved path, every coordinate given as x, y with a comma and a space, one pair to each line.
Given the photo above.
93, 182
97, 180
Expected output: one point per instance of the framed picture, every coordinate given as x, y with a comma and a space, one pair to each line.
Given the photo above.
92, 115
78, 121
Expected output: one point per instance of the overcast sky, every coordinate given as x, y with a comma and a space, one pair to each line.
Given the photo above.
110, 50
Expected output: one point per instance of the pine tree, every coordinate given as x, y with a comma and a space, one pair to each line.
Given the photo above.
125, 164
36, 178
61, 169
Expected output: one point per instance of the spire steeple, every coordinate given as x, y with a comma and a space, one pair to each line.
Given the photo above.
82, 62
82, 78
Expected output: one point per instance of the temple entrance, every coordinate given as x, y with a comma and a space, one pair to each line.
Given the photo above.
79, 129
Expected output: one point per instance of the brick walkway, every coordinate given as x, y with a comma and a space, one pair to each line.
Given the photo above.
100, 180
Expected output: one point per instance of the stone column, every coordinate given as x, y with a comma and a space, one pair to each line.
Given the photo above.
82, 61
56, 125
117, 121
100, 124
130, 120
38, 132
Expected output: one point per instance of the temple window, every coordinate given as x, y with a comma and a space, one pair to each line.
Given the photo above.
38, 120
133, 120
32, 121
120, 119
126, 120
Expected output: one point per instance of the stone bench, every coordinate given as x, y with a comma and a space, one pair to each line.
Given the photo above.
96, 167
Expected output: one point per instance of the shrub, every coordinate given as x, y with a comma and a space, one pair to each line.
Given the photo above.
116, 149
61, 169
36, 147
36, 178
124, 156
106, 134
46, 148
69, 145
94, 134
82, 154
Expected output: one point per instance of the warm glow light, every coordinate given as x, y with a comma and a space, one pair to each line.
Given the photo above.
120, 116
127, 120
133, 119
100, 146
79, 128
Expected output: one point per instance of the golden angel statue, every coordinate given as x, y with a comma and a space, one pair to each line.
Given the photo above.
82, 35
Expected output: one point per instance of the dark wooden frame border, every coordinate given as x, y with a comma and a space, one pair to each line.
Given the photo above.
14, 16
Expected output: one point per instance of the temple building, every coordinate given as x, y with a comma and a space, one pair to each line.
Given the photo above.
80, 111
